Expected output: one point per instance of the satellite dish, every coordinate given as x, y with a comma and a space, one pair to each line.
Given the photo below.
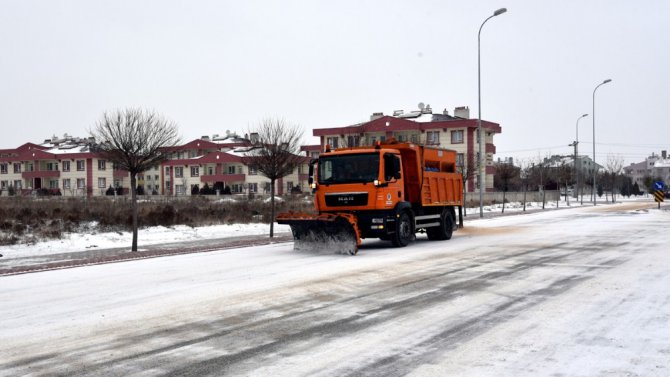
421, 106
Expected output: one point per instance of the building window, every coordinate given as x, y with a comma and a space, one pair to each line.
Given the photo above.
3, 185
414, 138
433, 137
52, 166
81, 183
66, 183
332, 141
102, 182
178, 172
17, 167
237, 188
457, 137
81, 165
231, 169
460, 159
53, 184
253, 188
353, 141
3, 168
195, 171
167, 170
210, 170
252, 171
17, 184
179, 189
289, 186
102, 164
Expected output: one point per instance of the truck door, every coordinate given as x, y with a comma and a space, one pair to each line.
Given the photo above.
393, 178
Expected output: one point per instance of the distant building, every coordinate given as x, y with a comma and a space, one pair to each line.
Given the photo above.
654, 166
457, 132
221, 162
67, 166
585, 165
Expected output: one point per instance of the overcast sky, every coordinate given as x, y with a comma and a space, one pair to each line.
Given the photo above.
213, 66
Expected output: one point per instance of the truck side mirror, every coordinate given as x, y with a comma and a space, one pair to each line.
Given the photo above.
310, 178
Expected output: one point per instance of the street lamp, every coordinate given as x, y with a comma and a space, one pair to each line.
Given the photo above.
479, 105
577, 156
595, 170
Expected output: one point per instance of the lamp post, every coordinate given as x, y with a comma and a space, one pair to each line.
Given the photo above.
577, 156
595, 170
479, 106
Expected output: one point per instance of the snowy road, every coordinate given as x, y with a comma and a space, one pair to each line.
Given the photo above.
578, 292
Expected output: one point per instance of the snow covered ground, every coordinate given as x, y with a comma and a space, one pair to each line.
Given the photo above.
579, 292
91, 239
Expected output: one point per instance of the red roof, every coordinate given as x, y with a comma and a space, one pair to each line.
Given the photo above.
390, 123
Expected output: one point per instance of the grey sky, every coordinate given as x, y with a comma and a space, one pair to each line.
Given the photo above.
214, 66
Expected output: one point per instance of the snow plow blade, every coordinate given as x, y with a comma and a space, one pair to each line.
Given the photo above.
337, 233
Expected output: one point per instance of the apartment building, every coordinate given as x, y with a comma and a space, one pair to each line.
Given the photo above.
68, 167
64, 166
654, 166
220, 163
457, 132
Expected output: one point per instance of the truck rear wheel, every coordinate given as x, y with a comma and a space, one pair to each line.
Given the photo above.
446, 228
404, 231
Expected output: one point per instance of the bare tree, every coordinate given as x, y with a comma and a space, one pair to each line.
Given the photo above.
539, 174
564, 175
132, 140
614, 166
524, 174
275, 154
468, 169
505, 172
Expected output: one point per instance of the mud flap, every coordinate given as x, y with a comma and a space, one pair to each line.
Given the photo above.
330, 233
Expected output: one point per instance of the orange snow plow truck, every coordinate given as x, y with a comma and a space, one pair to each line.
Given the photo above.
389, 191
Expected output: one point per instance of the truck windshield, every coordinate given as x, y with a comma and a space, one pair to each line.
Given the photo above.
349, 168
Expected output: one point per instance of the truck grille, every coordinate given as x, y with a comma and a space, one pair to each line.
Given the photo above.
347, 199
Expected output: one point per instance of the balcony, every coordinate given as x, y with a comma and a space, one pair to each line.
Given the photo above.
120, 173
223, 178
40, 174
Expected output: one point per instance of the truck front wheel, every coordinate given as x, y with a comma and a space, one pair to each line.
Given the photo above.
404, 231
